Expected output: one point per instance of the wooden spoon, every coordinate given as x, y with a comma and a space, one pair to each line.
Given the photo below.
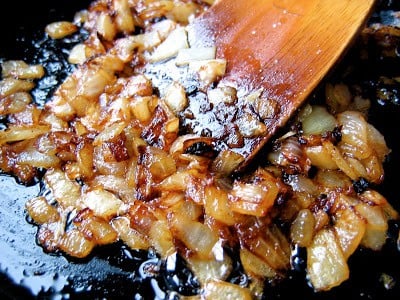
285, 47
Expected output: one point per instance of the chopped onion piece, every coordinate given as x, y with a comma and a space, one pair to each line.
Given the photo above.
65, 191
226, 162
41, 211
9, 86
124, 18
211, 269
350, 229
210, 70
128, 235
78, 54
175, 97
320, 157
302, 228
60, 29
250, 126
102, 203
222, 290
326, 264
161, 238
354, 132
105, 27
169, 48
75, 244
255, 266
318, 121
253, 199
187, 55
195, 235
21, 70
217, 205
224, 94
18, 133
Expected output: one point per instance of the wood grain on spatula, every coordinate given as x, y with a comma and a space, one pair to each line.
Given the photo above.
284, 47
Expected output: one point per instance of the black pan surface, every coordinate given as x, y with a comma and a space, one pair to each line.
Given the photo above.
26, 272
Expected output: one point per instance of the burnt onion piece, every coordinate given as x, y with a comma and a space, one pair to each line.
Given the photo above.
266, 292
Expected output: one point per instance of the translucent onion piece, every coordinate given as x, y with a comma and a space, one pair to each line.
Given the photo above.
41, 211
210, 269
253, 199
209, 70
75, 244
271, 246
102, 203
60, 29
65, 191
34, 158
124, 18
320, 157
326, 264
377, 141
19, 133
105, 27
222, 290
187, 55
128, 235
21, 70
175, 41
161, 238
376, 230
350, 229
175, 97
255, 266
78, 54
98, 229
15, 103
318, 121
217, 205
302, 228
354, 141
195, 235
226, 162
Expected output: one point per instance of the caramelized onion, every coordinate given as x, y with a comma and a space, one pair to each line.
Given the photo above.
120, 162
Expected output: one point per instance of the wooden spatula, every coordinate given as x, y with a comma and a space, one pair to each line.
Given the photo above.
283, 47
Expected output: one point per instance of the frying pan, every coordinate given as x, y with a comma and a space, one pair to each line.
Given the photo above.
27, 272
